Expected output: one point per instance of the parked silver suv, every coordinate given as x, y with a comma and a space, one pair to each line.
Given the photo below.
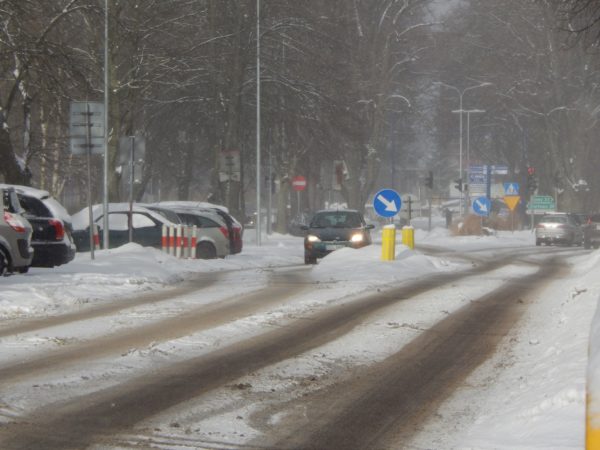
16, 252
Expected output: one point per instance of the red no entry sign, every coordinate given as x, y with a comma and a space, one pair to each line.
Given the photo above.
299, 183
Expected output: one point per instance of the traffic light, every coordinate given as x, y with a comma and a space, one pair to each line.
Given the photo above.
531, 181
459, 184
429, 180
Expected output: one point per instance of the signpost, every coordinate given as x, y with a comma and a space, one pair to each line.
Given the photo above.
482, 206
511, 189
298, 184
542, 203
229, 165
480, 177
136, 148
512, 199
387, 203
86, 130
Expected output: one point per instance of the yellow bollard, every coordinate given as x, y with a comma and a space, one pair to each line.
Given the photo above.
592, 428
408, 236
388, 243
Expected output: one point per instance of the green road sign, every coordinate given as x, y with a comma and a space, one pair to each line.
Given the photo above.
542, 202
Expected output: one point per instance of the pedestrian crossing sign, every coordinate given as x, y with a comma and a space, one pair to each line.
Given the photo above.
511, 188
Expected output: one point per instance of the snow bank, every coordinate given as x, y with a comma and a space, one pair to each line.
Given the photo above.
593, 376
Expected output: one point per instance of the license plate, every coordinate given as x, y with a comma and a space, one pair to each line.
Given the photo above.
333, 246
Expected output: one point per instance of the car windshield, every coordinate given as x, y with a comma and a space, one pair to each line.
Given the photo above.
336, 219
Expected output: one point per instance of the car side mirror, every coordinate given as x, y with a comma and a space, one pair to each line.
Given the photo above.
369, 227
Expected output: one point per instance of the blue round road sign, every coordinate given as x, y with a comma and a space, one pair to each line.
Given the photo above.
482, 206
387, 203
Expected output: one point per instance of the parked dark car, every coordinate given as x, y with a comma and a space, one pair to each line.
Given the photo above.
147, 226
330, 230
591, 232
52, 230
559, 228
16, 252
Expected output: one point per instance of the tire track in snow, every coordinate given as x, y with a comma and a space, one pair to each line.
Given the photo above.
282, 286
80, 421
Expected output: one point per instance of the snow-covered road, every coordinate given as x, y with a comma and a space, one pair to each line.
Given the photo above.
530, 394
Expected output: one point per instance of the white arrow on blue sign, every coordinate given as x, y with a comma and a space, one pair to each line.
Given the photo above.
387, 203
482, 206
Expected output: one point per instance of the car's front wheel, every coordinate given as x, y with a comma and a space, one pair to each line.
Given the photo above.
309, 259
3, 262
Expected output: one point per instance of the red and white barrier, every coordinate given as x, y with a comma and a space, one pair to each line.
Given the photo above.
164, 241
96, 237
180, 240
186, 239
171, 240
194, 241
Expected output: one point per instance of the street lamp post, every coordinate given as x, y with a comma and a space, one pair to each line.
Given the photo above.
258, 222
105, 232
468, 178
460, 110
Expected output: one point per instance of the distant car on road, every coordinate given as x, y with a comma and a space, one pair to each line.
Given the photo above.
16, 252
51, 240
558, 228
330, 230
591, 232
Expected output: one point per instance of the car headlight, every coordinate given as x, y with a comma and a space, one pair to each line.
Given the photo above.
357, 237
312, 238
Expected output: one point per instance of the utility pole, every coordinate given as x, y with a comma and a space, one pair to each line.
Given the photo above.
106, 134
258, 175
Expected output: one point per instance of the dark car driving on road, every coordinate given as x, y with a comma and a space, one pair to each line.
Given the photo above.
330, 230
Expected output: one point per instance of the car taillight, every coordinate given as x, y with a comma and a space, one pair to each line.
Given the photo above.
539, 225
15, 222
59, 229
225, 232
